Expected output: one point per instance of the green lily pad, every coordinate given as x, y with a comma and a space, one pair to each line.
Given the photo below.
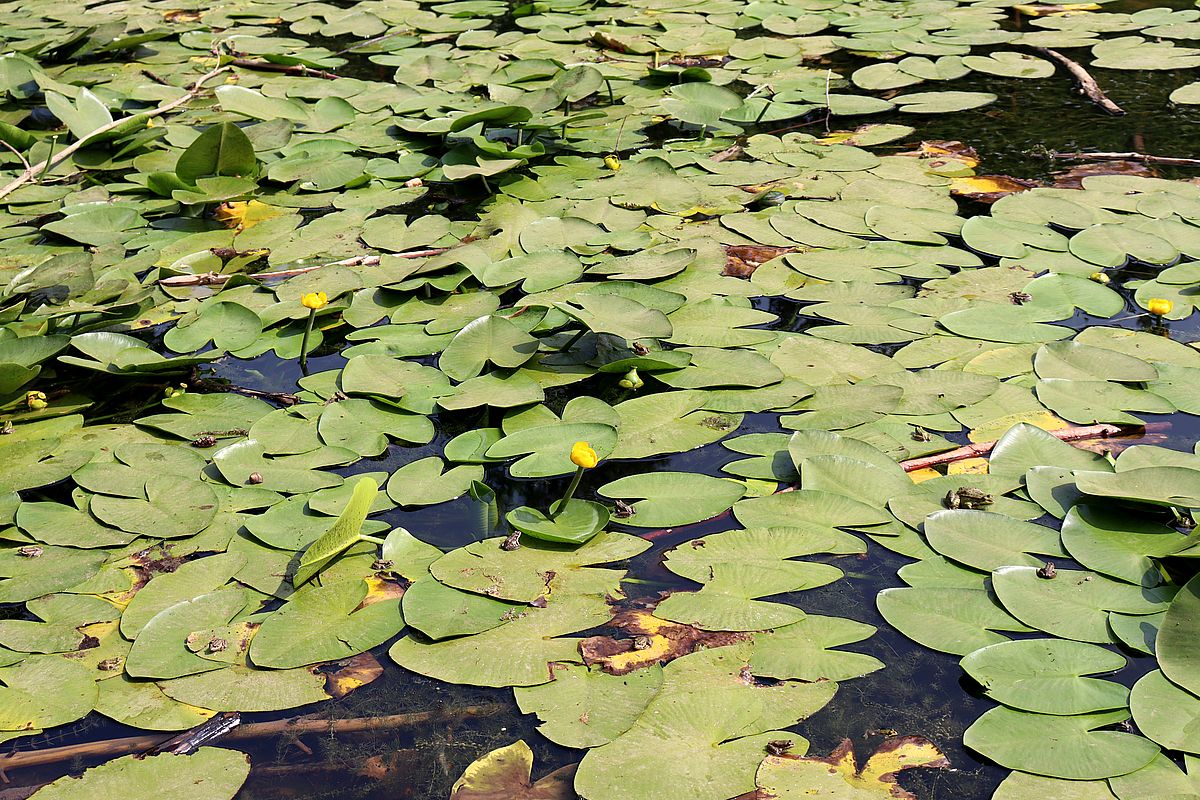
1059, 747
577, 522
1165, 713
672, 498
1046, 676
325, 623
1073, 604
212, 773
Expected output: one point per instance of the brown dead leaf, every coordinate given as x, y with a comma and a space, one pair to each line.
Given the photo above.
650, 641
1073, 178
181, 15
351, 674
742, 259
953, 150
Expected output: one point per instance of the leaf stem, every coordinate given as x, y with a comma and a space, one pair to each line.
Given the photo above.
571, 342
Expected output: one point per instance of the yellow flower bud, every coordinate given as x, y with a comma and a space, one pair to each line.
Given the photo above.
632, 380
612, 162
1099, 277
582, 455
314, 300
35, 401
1159, 307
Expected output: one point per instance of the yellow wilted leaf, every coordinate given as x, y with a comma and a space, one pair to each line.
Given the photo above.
837, 137
243, 214
994, 429
180, 15
1038, 10
924, 474
120, 599
504, 774
987, 186
379, 589
788, 777
968, 466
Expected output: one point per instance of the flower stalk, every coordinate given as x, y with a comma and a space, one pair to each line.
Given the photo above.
584, 458
313, 301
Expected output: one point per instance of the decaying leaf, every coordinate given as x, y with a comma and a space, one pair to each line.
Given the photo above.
351, 674
504, 774
649, 640
988, 188
788, 777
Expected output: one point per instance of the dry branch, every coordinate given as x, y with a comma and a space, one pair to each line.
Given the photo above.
1102, 431
297, 69
1142, 157
111, 748
62, 155
1087, 84
213, 279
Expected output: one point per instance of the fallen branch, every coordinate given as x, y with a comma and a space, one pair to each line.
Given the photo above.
1142, 157
62, 155
297, 69
214, 279
1102, 431
112, 748
1087, 84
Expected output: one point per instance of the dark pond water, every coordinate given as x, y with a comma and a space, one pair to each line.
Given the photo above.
920, 691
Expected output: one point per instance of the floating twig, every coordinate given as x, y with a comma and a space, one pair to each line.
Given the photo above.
44, 167
111, 748
1102, 431
1087, 84
215, 279
1142, 157
286, 69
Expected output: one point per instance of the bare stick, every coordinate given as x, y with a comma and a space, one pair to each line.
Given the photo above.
16, 153
1087, 84
297, 69
1143, 157
62, 155
1102, 431
213, 279
112, 748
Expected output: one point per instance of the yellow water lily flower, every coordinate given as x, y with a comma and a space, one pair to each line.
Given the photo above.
36, 401
1100, 277
1159, 307
314, 300
612, 162
583, 456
